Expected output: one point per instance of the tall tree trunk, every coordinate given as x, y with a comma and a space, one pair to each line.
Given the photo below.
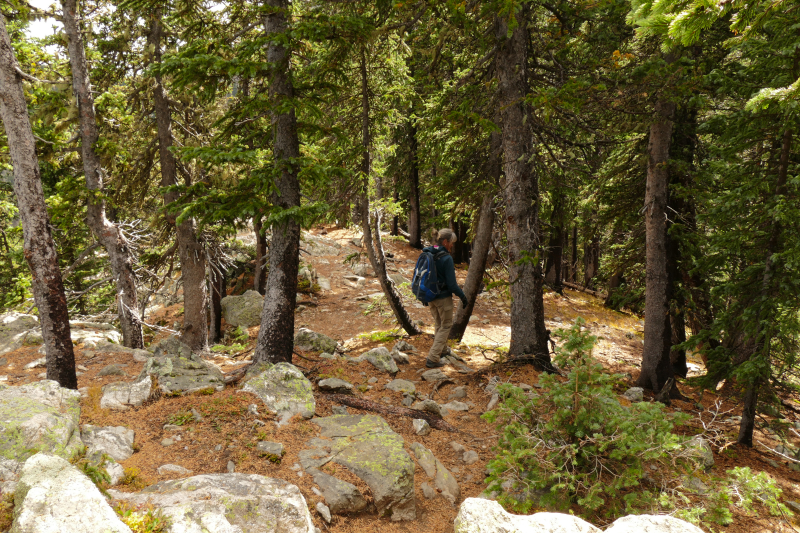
747, 424
521, 194
477, 266
373, 244
591, 257
573, 265
259, 275
276, 336
108, 233
656, 367
38, 246
555, 249
414, 213
190, 250
216, 283
396, 198
613, 284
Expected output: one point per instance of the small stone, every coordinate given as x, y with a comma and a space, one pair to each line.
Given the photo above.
38, 363
457, 394
339, 410
470, 457
173, 469
772, 463
231, 467
634, 394
428, 491
457, 447
196, 415
296, 467
408, 400
493, 402
429, 406
172, 427
401, 385
218, 448
326, 355
324, 512
421, 427
434, 374
335, 385
274, 449
82, 368
456, 406
167, 442
525, 387
112, 370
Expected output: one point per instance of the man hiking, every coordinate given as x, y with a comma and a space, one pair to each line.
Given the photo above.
442, 306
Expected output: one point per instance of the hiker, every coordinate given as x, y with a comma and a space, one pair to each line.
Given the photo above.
442, 306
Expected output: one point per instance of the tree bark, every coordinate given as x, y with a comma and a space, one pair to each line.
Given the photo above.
656, 367
591, 259
762, 344
477, 266
573, 266
259, 275
521, 194
414, 214
38, 246
276, 336
108, 233
613, 284
555, 249
216, 282
190, 250
374, 247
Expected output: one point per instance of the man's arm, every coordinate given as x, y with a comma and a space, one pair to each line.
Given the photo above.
450, 278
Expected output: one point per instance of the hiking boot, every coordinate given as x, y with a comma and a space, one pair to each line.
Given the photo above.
431, 364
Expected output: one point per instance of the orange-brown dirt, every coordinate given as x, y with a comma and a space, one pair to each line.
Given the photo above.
228, 425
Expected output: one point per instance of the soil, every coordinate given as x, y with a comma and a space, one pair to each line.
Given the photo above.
228, 431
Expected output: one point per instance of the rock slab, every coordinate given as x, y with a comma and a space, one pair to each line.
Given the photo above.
39, 417
122, 395
651, 524
477, 515
227, 503
179, 374
284, 390
342, 497
311, 341
442, 478
53, 496
368, 447
114, 441
381, 359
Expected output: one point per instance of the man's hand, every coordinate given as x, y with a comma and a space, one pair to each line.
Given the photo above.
464, 302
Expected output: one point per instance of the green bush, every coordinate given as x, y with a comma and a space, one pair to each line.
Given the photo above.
573, 441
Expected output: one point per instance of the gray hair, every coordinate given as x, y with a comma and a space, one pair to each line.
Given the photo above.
446, 234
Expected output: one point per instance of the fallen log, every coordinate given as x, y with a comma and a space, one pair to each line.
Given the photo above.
576, 287
368, 405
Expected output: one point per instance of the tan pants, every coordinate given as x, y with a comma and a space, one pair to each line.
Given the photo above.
442, 311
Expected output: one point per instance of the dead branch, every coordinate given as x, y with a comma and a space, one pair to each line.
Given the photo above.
368, 405
80, 260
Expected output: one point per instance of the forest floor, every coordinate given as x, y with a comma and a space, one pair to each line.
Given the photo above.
229, 432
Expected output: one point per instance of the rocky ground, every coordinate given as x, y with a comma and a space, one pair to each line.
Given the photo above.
291, 445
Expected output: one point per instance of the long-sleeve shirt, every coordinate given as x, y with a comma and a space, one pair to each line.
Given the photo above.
446, 273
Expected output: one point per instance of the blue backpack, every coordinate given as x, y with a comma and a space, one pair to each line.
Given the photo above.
425, 283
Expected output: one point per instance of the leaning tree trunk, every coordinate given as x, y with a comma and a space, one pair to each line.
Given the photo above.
477, 266
190, 250
373, 246
656, 367
521, 194
747, 424
108, 233
414, 213
276, 336
39, 248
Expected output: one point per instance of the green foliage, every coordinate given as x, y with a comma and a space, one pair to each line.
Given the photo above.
573, 437
180, 418
142, 519
380, 336
6, 511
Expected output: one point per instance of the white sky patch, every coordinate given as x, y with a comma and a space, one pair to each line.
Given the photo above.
42, 27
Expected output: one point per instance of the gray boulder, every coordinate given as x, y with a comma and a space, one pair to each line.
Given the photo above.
381, 359
634, 394
399, 357
340, 496
122, 395
244, 310
95, 336
435, 470
54, 496
311, 341
403, 346
429, 406
401, 385
284, 390
14, 327
434, 374
39, 417
652, 524
226, 503
272, 449
171, 346
421, 427
368, 447
167, 469
336, 385
319, 246
455, 405
9, 475
476, 515
179, 374
114, 441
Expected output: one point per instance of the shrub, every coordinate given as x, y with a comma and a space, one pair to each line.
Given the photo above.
575, 438
142, 520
